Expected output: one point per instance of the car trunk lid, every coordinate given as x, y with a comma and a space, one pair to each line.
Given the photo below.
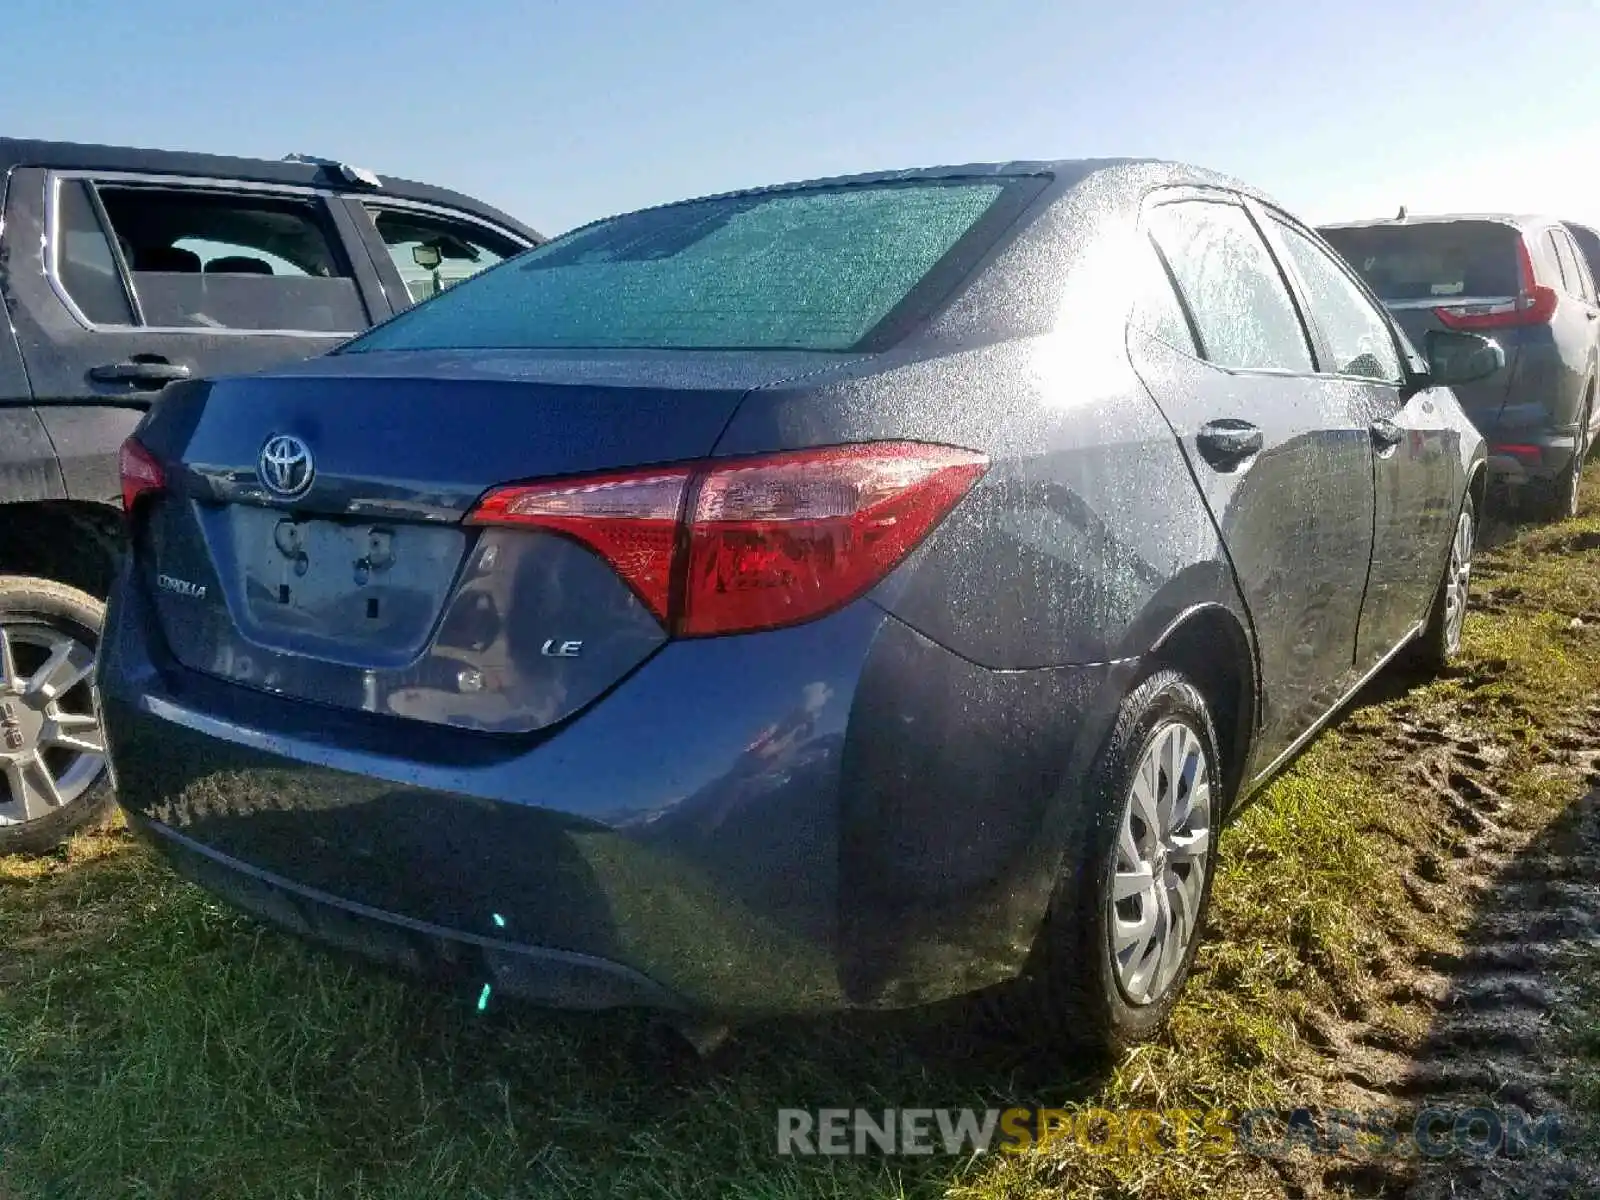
358, 585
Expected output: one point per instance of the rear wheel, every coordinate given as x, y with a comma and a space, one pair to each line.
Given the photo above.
1557, 499
53, 774
1121, 933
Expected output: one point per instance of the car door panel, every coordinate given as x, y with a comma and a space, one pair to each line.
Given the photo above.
1295, 519
1412, 447
1283, 461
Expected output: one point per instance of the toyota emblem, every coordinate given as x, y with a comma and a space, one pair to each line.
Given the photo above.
285, 466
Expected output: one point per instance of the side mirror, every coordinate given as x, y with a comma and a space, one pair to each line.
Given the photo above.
1455, 357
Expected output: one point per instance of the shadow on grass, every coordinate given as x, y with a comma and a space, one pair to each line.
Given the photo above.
153, 1043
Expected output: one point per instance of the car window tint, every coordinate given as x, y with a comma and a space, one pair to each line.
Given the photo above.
1588, 243
85, 265
432, 253
1577, 272
1565, 270
217, 260
1357, 334
1232, 286
1157, 309
815, 268
1434, 258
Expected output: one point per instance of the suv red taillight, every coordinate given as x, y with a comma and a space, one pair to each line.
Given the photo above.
756, 543
141, 473
1535, 304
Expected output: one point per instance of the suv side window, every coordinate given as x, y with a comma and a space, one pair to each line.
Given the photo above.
84, 262
1578, 272
1558, 253
432, 252
1357, 334
1240, 305
202, 259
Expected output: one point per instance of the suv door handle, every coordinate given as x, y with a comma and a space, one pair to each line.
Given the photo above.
1386, 435
152, 373
1227, 442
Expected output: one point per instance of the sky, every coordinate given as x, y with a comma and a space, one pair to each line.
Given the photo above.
568, 110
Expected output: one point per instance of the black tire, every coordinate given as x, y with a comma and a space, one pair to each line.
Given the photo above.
1070, 994
30, 609
1557, 499
1439, 644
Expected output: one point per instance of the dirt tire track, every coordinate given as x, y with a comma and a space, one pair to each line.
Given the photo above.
1470, 1026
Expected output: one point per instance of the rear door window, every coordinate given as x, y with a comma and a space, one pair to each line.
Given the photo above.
1357, 334
1231, 285
817, 268
205, 260
1566, 270
1588, 243
1434, 260
1574, 268
1157, 310
433, 252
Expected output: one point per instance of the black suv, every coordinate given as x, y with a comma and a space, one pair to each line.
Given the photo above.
123, 270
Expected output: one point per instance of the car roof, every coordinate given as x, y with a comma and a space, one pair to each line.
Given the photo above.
1520, 221
20, 152
1145, 172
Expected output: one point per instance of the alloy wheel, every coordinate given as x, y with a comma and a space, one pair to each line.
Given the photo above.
52, 749
1458, 583
1163, 852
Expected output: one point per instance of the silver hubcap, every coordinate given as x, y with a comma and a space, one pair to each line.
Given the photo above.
1458, 583
1163, 854
51, 746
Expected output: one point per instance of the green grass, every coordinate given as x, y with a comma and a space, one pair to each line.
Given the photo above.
154, 1044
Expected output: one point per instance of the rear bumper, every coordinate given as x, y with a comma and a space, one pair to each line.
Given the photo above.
1524, 453
838, 815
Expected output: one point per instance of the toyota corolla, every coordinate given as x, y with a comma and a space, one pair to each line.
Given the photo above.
845, 594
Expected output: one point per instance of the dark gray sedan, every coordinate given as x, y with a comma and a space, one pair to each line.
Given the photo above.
845, 594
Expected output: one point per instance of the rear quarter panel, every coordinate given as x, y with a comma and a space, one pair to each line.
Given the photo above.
1087, 536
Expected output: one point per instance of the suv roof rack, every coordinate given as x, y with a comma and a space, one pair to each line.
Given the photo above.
350, 174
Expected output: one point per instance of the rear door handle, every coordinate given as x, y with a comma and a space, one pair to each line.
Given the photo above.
1386, 435
1227, 442
154, 373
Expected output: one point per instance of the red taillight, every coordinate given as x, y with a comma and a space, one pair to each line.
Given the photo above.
630, 520
141, 473
1534, 305
1527, 453
764, 542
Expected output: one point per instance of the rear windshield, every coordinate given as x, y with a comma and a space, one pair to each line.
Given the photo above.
813, 269
1420, 262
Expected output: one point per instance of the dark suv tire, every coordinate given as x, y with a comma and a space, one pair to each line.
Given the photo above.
1557, 499
54, 777
1120, 936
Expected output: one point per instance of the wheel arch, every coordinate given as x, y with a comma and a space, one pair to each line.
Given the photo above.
1209, 644
75, 542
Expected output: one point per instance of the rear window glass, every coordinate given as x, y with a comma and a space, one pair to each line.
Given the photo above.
1424, 262
813, 269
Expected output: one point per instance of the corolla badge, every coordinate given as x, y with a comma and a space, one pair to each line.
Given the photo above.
285, 466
